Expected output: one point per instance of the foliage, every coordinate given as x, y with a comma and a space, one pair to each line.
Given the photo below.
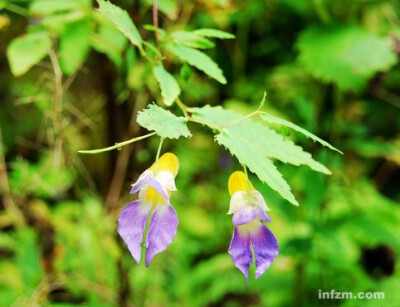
170, 89
84, 74
163, 122
252, 143
20, 60
347, 55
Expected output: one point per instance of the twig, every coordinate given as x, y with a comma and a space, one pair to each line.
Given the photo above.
155, 19
117, 145
8, 200
58, 101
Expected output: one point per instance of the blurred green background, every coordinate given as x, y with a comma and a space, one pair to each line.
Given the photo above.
330, 66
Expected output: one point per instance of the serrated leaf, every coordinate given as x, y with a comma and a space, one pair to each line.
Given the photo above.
121, 20
253, 144
163, 122
74, 46
276, 120
214, 33
37, 44
169, 87
199, 60
192, 40
257, 163
346, 55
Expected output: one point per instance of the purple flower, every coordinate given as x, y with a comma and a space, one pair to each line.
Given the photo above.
154, 187
248, 208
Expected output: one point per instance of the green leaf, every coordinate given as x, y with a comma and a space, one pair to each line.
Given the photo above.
121, 20
28, 257
192, 40
214, 33
169, 87
276, 120
199, 60
37, 45
48, 7
74, 46
343, 54
108, 40
2, 4
254, 144
163, 122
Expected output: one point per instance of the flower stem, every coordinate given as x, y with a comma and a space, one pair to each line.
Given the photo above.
158, 154
117, 145
247, 179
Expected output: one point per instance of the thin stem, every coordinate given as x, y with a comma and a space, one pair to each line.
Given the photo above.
251, 114
5, 191
158, 154
17, 9
155, 19
117, 145
247, 179
321, 11
58, 105
182, 106
191, 119
242, 118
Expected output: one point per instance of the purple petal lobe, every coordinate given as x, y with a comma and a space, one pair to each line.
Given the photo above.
131, 225
262, 215
140, 183
162, 229
158, 187
245, 215
240, 251
265, 248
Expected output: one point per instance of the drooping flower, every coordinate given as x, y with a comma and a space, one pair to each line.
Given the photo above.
248, 208
154, 186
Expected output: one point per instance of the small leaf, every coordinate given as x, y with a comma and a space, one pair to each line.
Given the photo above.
214, 33
169, 87
199, 60
74, 46
192, 40
276, 120
121, 20
49, 7
163, 122
26, 51
185, 71
108, 40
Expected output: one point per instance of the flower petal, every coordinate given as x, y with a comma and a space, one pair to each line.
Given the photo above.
167, 180
154, 183
162, 229
262, 215
240, 251
238, 201
131, 225
265, 248
141, 182
259, 200
245, 215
